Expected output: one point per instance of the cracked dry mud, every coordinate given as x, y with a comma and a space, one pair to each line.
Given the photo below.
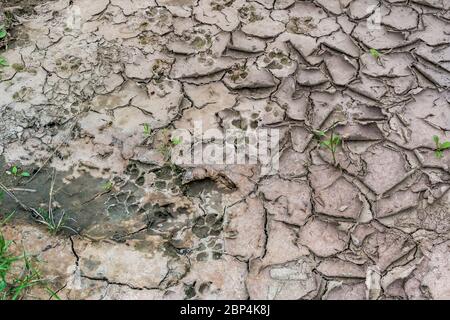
376, 226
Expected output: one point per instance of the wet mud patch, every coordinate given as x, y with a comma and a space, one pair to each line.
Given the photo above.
144, 202
82, 200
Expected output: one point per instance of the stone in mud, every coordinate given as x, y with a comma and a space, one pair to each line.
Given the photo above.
337, 268
293, 280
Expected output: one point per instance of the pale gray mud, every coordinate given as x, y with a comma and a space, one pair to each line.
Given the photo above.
91, 92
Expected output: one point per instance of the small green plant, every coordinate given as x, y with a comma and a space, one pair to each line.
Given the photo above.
440, 147
331, 144
375, 53
54, 225
3, 62
147, 129
164, 149
6, 261
107, 186
18, 173
176, 141
3, 32
52, 293
166, 143
14, 287
319, 133
30, 277
6, 219
14, 282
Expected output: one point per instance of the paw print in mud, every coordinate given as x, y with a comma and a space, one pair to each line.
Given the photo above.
301, 25
278, 62
208, 229
135, 174
122, 203
164, 219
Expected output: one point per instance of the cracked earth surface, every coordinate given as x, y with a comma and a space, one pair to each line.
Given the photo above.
376, 226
